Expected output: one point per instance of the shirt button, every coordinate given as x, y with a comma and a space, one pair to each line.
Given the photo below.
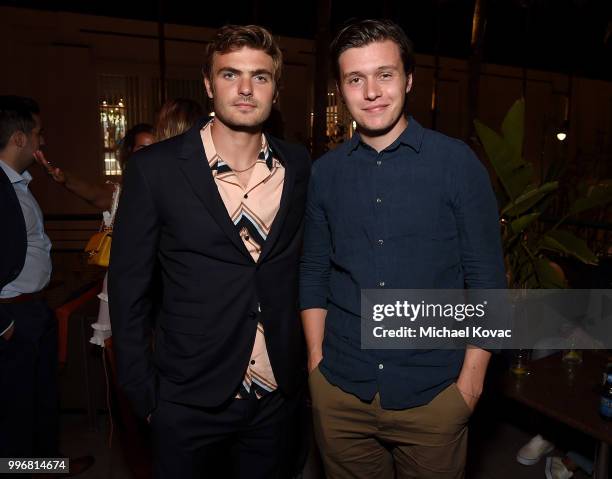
380, 366
247, 238
378, 200
381, 284
246, 196
252, 361
381, 242
378, 163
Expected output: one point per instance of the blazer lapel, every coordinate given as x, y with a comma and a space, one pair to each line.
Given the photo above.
285, 202
194, 166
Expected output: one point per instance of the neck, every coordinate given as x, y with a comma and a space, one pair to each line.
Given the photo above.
381, 140
238, 147
12, 162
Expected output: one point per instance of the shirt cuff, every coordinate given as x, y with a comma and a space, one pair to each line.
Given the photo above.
9, 327
321, 303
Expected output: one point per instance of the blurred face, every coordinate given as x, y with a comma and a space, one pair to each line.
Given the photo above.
374, 85
242, 87
142, 139
33, 141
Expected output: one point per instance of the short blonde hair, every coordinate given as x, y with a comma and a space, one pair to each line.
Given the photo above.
175, 117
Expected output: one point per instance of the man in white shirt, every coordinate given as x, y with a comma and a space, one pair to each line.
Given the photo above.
28, 331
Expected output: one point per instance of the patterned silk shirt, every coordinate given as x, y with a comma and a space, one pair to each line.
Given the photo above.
252, 210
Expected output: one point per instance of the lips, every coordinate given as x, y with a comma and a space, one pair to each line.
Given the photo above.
375, 108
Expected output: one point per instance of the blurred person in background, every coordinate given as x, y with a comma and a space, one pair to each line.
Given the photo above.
174, 117
100, 195
29, 412
29, 399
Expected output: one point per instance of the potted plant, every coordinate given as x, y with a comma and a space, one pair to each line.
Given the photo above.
529, 242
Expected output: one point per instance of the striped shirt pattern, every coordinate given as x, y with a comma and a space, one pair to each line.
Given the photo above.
252, 210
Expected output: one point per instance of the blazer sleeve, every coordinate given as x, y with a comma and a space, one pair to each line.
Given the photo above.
132, 266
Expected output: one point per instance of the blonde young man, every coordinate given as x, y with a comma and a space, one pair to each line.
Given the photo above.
220, 210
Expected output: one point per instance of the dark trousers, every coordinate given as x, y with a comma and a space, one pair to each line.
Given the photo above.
244, 438
29, 409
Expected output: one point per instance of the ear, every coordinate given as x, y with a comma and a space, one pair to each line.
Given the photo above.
209, 88
19, 138
409, 83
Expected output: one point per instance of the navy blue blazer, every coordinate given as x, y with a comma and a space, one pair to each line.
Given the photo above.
172, 225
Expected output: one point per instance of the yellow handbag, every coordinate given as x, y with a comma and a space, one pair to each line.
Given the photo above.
98, 248
99, 245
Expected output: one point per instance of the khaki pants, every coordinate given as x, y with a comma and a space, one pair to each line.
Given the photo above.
359, 439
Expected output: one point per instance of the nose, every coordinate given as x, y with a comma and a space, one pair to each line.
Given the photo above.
372, 90
246, 88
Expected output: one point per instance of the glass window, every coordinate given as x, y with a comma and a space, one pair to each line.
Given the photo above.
113, 125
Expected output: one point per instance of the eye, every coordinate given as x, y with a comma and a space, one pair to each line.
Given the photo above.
261, 78
228, 75
386, 75
354, 81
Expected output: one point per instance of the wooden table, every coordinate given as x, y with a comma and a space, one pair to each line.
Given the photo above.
568, 394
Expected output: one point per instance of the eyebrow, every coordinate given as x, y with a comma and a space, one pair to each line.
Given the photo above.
356, 72
259, 71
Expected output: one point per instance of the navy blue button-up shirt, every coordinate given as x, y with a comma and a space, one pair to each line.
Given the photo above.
420, 214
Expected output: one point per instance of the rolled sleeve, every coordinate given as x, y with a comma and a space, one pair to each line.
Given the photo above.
315, 262
480, 241
478, 225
